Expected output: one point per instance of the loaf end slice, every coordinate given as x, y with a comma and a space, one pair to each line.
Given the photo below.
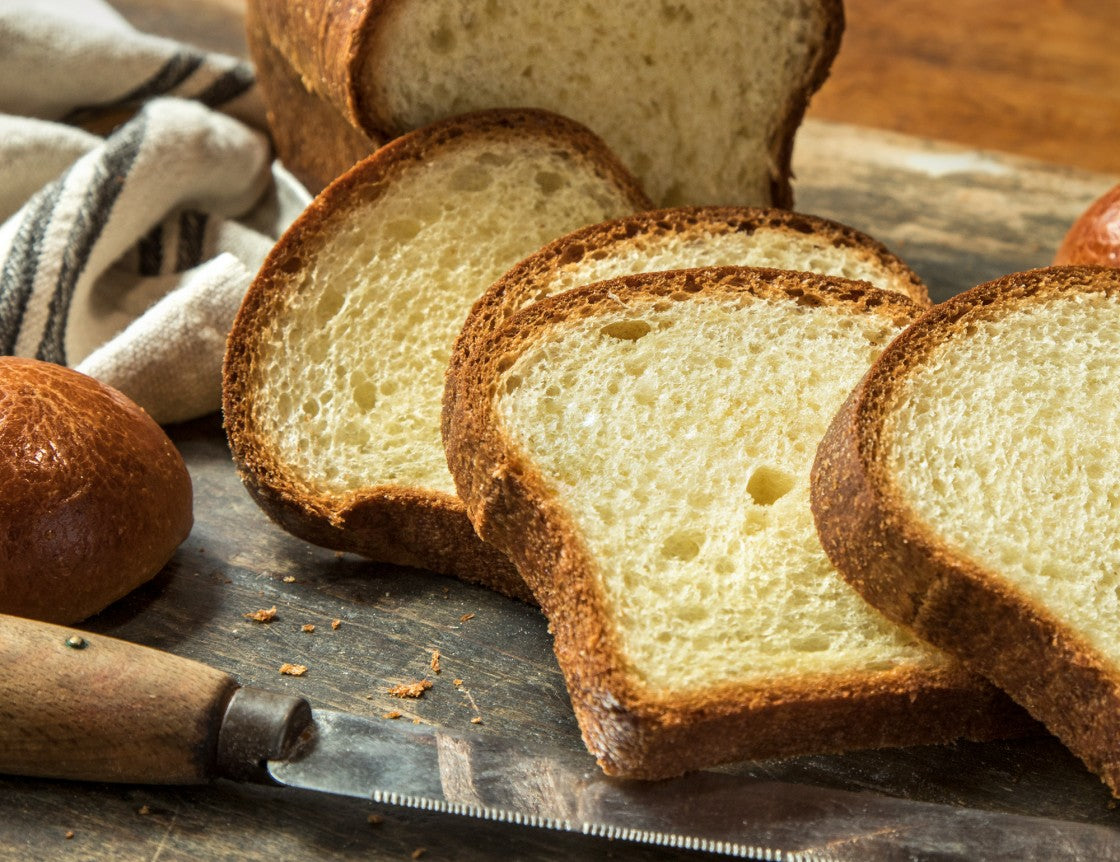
641, 448
969, 490
700, 99
334, 369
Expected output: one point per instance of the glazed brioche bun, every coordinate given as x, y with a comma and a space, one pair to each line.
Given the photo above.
1094, 239
95, 496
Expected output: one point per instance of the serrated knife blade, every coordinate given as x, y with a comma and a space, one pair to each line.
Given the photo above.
80, 706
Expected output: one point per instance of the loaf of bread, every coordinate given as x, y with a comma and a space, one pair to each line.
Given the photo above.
1094, 238
701, 99
685, 238
641, 447
335, 364
970, 489
95, 496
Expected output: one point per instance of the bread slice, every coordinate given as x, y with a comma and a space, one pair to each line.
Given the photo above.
970, 489
334, 368
700, 98
641, 447
687, 238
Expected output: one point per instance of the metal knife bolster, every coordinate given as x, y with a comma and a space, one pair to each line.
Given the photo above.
259, 726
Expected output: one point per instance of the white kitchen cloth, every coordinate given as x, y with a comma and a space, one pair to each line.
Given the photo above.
126, 256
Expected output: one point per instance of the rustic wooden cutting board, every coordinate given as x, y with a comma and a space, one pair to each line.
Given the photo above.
958, 216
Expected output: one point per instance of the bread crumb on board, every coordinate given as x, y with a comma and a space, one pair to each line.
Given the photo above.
411, 689
375, 819
466, 617
289, 579
476, 720
335, 624
392, 714
144, 810
418, 852
293, 669
434, 663
456, 682
69, 834
307, 627
264, 615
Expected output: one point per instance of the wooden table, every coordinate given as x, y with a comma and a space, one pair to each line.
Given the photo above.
957, 215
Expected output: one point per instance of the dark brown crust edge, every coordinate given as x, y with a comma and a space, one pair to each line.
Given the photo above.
631, 731
405, 526
897, 562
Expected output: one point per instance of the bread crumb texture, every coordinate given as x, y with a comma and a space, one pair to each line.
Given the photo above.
679, 439
349, 379
692, 131
1022, 473
776, 247
410, 689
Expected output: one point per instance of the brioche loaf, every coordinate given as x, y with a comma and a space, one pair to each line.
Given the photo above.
335, 364
641, 448
700, 99
96, 498
686, 238
970, 489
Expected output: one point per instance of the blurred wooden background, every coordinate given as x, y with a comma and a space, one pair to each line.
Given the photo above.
1039, 78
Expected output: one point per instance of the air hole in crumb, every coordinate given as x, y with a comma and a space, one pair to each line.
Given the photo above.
811, 643
627, 330
767, 485
549, 181
680, 546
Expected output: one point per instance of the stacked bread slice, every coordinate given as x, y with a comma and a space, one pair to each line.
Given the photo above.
641, 448
970, 489
335, 364
701, 99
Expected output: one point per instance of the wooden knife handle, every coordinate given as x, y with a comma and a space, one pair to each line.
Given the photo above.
82, 706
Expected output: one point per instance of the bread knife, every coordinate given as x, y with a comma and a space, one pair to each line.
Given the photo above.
75, 705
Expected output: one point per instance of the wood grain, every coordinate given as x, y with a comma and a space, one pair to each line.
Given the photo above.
92, 708
1039, 78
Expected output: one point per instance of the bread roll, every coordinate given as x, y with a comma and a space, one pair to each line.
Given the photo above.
1094, 239
96, 497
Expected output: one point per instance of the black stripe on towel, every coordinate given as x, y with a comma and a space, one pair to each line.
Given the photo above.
227, 87
17, 279
110, 174
192, 228
179, 66
150, 251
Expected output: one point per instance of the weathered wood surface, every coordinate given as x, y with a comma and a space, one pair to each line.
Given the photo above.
958, 216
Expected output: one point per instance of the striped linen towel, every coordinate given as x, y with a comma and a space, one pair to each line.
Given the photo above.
126, 256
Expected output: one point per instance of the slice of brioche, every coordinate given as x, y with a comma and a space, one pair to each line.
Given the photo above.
970, 489
335, 364
701, 98
641, 449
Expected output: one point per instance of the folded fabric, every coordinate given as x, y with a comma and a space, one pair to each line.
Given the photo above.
126, 256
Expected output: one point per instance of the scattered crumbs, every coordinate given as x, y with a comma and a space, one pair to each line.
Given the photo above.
289, 579
335, 624
1112, 803
307, 627
263, 615
415, 721
411, 689
393, 713
69, 834
434, 663
418, 852
293, 669
446, 592
144, 810
466, 617
338, 555
476, 720
375, 819
456, 682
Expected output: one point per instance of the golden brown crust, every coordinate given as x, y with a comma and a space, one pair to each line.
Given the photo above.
313, 139
899, 563
329, 45
633, 731
96, 498
402, 525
